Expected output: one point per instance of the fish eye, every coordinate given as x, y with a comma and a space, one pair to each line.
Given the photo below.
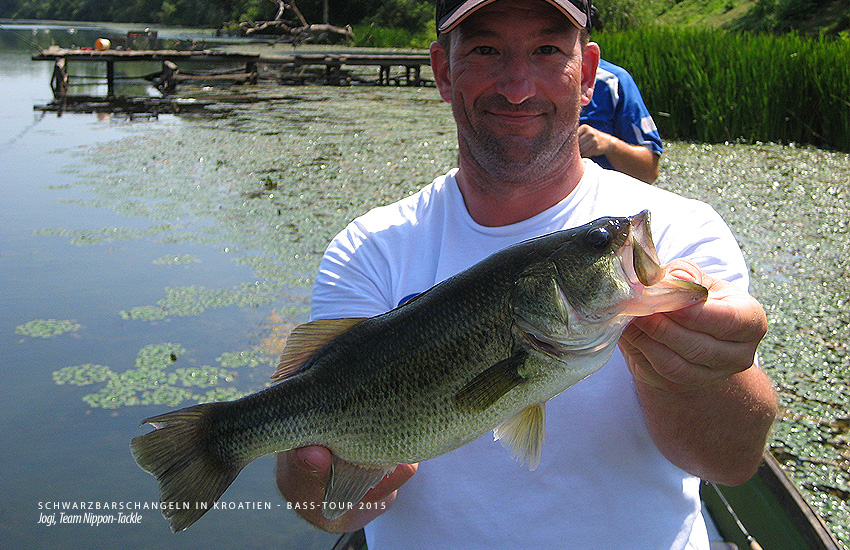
598, 238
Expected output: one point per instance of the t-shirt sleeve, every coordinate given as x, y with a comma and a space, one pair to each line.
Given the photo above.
352, 278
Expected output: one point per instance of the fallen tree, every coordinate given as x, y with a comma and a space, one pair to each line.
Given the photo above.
297, 32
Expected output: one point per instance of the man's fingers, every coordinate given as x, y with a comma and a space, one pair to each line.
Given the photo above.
313, 459
391, 483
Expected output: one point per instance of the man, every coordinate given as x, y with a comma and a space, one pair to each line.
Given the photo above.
616, 129
685, 397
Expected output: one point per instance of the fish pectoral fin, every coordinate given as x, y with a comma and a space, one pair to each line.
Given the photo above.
523, 434
491, 384
347, 483
305, 340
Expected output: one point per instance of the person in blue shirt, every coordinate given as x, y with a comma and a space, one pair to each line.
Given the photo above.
617, 131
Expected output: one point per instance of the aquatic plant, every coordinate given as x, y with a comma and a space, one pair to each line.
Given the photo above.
179, 259
193, 300
47, 328
152, 381
787, 207
82, 375
83, 237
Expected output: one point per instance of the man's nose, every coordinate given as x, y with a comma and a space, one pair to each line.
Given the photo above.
515, 82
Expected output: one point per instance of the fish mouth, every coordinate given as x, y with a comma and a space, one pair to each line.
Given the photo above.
644, 266
654, 290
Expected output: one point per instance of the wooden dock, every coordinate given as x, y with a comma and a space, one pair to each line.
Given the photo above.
335, 64
332, 65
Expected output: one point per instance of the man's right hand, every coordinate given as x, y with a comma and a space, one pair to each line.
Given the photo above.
301, 478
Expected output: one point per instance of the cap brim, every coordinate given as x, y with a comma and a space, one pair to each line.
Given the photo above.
576, 16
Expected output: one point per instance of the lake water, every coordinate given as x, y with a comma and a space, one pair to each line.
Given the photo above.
155, 262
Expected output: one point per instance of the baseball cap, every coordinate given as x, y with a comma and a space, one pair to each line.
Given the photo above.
452, 12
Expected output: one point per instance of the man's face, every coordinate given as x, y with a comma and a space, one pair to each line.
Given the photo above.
515, 81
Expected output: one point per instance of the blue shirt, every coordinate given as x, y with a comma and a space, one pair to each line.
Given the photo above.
617, 108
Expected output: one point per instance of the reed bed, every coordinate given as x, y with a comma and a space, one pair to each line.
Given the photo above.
714, 86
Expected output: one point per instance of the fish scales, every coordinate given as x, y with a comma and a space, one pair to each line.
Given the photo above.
409, 385
484, 349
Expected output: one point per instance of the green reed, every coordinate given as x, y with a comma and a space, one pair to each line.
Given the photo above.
716, 86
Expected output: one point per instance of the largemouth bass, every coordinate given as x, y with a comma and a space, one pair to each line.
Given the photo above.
484, 350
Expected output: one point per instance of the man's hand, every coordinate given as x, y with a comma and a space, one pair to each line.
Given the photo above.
699, 346
635, 160
593, 142
301, 478
708, 406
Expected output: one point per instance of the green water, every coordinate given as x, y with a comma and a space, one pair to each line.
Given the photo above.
159, 263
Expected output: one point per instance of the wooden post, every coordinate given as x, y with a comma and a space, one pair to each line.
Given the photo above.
415, 72
332, 71
59, 81
168, 79
110, 78
384, 75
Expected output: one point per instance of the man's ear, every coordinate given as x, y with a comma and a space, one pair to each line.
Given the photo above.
589, 64
440, 66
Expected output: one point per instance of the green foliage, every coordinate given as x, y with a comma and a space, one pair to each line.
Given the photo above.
410, 15
373, 36
715, 86
620, 15
778, 15
414, 16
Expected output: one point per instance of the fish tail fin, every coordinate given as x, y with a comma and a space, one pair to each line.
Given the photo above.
191, 475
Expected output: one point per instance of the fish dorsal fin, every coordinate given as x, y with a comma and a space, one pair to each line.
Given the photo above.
523, 434
347, 483
491, 384
305, 340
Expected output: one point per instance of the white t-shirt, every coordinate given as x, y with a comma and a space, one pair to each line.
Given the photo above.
601, 482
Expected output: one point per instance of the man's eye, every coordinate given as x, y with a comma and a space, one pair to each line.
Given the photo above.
484, 50
548, 50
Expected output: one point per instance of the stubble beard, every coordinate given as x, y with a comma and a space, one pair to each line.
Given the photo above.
515, 164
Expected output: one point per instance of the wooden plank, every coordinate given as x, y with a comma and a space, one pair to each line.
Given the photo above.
142, 55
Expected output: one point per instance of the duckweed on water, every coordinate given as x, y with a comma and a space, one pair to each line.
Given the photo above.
47, 328
82, 237
180, 259
194, 300
153, 382
251, 358
789, 208
82, 375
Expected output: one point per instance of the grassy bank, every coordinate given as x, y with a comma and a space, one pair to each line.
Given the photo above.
716, 86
